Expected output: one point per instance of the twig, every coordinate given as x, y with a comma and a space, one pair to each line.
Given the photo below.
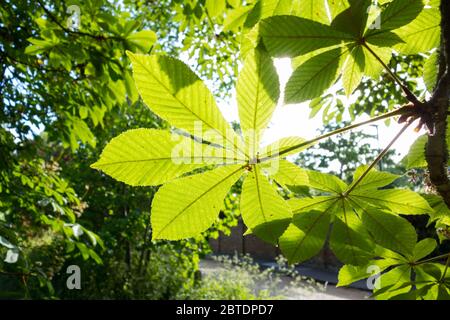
377, 159
409, 94
387, 115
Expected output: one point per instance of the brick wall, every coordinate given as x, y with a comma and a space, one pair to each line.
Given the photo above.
258, 249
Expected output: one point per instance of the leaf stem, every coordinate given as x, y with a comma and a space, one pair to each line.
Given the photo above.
377, 159
446, 268
396, 112
433, 258
409, 94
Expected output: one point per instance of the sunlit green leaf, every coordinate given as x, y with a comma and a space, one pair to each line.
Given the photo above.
143, 157
305, 236
390, 231
143, 39
188, 206
313, 77
258, 91
290, 36
263, 210
175, 93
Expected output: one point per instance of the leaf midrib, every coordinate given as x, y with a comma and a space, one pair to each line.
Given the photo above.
195, 114
348, 232
314, 204
255, 112
382, 227
384, 200
308, 231
197, 199
164, 159
395, 14
256, 173
309, 37
318, 73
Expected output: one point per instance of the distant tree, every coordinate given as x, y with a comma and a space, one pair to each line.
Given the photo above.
341, 155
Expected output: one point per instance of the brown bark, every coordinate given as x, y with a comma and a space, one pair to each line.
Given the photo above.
436, 150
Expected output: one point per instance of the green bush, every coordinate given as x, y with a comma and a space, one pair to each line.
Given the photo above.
162, 272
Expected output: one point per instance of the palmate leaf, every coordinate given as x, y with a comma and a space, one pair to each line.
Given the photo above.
353, 69
145, 157
349, 241
396, 200
348, 245
314, 74
261, 10
176, 94
336, 7
394, 282
143, 39
286, 173
312, 9
186, 207
422, 34
268, 8
433, 285
374, 179
416, 154
398, 13
430, 71
349, 273
326, 182
313, 77
290, 36
306, 235
357, 13
263, 210
389, 230
387, 258
189, 205
423, 248
355, 216
258, 90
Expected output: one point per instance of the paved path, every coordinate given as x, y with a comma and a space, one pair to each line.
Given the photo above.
331, 292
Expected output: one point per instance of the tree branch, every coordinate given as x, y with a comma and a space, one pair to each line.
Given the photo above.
436, 151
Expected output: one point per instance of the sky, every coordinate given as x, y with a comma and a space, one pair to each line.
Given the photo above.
293, 120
